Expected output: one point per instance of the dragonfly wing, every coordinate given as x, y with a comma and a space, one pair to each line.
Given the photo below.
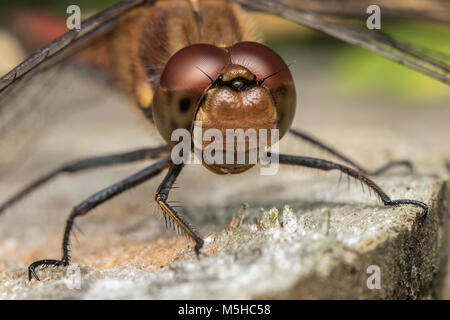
430, 62
37, 103
67, 44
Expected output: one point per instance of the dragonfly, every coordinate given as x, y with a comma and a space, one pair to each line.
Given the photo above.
182, 61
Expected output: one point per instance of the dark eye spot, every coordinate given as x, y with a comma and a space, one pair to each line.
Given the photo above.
185, 104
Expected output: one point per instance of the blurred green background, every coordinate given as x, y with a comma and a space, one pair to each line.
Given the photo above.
355, 71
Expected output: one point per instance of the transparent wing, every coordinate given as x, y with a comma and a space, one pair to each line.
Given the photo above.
430, 62
68, 43
36, 105
47, 86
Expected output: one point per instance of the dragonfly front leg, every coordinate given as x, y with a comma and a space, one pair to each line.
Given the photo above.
161, 198
92, 202
328, 165
396, 163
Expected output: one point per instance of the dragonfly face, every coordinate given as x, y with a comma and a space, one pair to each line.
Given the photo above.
246, 86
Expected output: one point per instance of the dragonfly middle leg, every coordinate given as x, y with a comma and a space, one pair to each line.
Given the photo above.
92, 202
339, 155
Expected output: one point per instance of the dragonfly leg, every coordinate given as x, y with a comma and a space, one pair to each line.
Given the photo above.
92, 202
376, 172
328, 165
88, 163
161, 197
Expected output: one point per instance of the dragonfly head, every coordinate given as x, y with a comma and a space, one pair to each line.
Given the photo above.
244, 87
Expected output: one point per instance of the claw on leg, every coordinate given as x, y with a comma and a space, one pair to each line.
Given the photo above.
424, 207
45, 263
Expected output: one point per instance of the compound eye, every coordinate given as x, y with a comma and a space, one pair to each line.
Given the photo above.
262, 62
192, 67
272, 72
